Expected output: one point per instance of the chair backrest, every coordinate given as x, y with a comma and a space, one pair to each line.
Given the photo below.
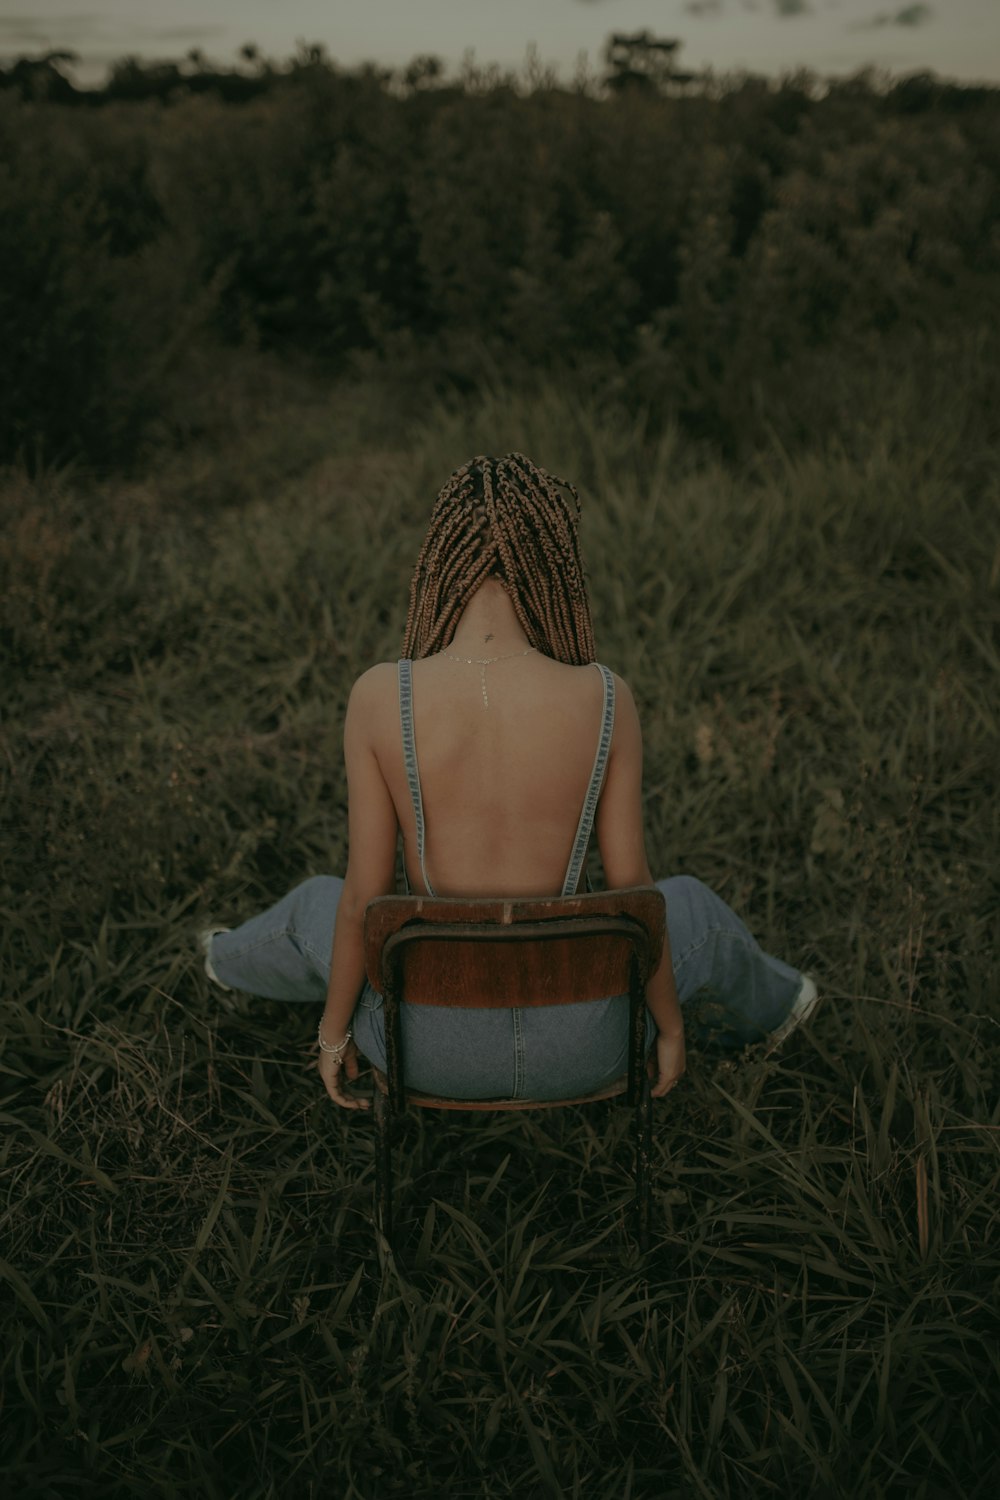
434, 950
500, 953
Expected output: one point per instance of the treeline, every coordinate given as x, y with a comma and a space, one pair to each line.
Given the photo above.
739, 255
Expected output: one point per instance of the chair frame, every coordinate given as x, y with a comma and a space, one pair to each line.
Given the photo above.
448, 951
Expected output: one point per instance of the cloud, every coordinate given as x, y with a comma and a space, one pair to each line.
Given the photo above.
910, 15
40, 28
913, 15
704, 8
183, 33
98, 38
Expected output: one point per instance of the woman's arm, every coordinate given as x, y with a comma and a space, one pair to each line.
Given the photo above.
622, 843
372, 833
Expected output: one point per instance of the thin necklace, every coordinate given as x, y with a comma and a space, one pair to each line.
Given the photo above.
482, 662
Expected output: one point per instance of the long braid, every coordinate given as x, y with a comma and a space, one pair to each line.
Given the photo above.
503, 518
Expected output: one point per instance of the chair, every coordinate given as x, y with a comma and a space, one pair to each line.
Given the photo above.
498, 954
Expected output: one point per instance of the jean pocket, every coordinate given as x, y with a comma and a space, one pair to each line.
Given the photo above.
369, 999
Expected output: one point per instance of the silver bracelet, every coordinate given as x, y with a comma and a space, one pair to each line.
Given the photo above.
337, 1051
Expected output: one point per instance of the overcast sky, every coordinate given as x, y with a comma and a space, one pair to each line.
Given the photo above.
957, 38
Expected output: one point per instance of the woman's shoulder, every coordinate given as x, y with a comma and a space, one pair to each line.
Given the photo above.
380, 682
628, 734
376, 679
585, 668
373, 691
623, 693
591, 689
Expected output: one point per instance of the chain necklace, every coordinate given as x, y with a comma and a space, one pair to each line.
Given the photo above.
482, 662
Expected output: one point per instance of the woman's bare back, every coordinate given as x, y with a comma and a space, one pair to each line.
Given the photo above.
503, 785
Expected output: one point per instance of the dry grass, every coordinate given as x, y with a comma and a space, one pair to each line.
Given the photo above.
194, 1304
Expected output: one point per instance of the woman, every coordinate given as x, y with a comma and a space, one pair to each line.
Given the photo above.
524, 740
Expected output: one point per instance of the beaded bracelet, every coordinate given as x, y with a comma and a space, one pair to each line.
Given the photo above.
337, 1051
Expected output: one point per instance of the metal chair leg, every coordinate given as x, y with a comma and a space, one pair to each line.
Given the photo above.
383, 1166
643, 1162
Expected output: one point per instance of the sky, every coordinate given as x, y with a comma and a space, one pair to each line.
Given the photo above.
955, 38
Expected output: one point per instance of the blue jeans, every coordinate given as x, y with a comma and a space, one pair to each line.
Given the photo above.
731, 992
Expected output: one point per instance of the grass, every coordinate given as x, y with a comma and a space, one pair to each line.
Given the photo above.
193, 1300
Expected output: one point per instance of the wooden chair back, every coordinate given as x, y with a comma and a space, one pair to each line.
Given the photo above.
490, 954
500, 953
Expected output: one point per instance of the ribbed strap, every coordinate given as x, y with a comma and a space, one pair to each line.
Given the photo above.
586, 822
403, 668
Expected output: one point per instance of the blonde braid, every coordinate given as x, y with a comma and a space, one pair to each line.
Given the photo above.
503, 518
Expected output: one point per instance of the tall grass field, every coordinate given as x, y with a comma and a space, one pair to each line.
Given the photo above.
194, 1303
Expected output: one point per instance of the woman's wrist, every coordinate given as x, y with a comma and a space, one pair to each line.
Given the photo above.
333, 1049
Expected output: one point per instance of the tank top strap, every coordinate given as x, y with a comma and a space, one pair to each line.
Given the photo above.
405, 677
586, 823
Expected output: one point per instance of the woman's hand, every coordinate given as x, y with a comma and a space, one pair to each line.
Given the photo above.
669, 1064
335, 1072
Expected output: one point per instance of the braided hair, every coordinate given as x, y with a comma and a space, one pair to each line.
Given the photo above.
503, 518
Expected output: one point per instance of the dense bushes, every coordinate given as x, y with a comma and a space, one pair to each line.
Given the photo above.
733, 255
